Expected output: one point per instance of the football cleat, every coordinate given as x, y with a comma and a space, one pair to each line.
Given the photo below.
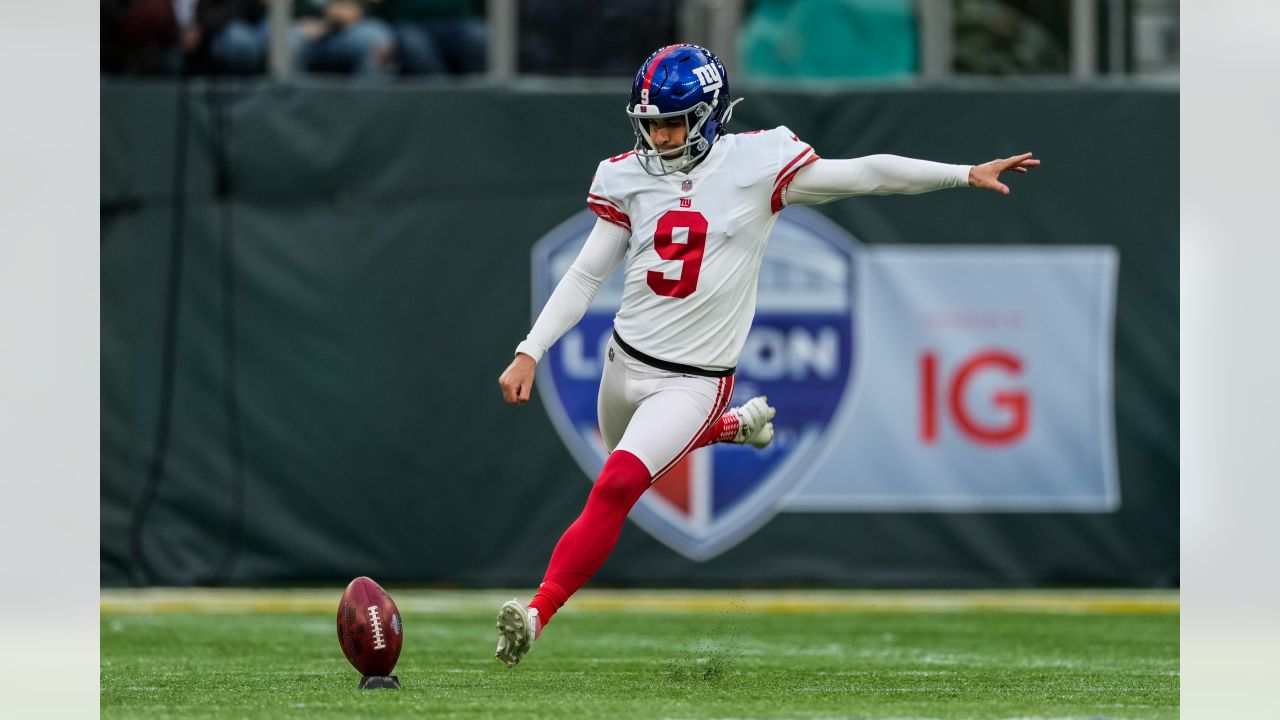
754, 422
517, 629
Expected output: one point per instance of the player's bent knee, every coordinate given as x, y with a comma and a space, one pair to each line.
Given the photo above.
623, 479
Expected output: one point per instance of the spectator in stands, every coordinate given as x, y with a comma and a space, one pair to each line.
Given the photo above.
587, 37
434, 37
1003, 37
227, 37
339, 36
829, 39
139, 37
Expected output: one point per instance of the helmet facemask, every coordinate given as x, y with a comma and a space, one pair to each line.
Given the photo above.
679, 158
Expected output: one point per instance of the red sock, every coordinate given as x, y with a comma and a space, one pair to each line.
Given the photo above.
589, 540
723, 430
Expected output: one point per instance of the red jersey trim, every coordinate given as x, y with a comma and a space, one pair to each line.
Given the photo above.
610, 213
602, 199
775, 202
785, 168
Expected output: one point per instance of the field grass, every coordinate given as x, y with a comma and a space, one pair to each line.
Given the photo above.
619, 655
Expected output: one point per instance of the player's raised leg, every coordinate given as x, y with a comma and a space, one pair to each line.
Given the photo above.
750, 423
680, 413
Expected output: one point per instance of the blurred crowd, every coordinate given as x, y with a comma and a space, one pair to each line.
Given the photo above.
232, 37
779, 40
848, 39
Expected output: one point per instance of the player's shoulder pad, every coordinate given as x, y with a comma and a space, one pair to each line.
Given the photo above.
774, 147
612, 187
619, 176
619, 165
767, 152
790, 147
775, 136
785, 134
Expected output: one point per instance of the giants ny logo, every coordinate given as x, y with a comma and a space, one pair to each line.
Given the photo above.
800, 352
708, 77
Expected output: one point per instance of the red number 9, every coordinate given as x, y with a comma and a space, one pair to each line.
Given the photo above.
688, 253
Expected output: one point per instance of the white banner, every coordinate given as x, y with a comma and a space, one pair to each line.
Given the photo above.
983, 383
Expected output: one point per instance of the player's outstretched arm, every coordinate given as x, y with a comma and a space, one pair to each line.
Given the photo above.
987, 175
603, 251
825, 180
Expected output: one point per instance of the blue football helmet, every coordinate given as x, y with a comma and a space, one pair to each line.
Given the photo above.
686, 81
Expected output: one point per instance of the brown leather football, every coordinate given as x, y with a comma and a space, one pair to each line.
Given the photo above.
369, 627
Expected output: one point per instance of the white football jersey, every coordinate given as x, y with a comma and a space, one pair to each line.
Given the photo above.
697, 242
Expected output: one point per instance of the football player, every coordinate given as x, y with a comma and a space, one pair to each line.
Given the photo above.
687, 213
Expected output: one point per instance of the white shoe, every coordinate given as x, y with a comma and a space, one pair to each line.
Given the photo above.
517, 628
754, 426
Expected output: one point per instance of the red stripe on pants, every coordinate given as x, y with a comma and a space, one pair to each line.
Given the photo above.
705, 434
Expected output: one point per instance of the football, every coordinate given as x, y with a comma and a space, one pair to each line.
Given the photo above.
369, 627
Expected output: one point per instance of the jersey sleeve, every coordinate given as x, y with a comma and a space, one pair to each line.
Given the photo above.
606, 205
601, 254
792, 155
831, 180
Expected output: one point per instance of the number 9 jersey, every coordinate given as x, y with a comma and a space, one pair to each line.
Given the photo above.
697, 242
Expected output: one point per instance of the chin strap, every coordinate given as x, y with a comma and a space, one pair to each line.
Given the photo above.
675, 165
728, 112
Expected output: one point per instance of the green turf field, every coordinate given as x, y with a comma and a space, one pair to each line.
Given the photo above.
615, 655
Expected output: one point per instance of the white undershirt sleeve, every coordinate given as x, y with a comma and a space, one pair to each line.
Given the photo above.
604, 250
825, 180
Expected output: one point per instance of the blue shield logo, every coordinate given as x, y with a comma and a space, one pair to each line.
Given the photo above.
801, 352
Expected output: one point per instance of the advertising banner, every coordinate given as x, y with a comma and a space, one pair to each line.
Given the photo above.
986, 385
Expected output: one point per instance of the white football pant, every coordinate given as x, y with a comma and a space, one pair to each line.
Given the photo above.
657, 415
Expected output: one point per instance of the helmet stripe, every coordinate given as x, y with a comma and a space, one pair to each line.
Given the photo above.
648, 77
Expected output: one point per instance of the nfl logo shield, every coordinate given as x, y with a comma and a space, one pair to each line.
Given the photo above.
801, 353
686, 186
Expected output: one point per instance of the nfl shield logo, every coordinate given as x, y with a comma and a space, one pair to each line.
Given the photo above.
801, 353
686, 186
